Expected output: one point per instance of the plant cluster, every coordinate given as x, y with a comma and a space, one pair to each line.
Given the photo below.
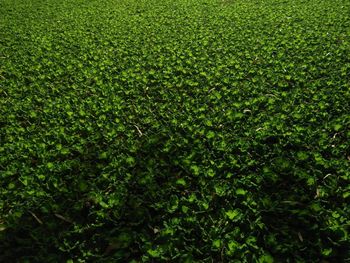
175, 131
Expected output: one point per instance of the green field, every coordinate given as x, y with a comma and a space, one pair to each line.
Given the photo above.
175, 131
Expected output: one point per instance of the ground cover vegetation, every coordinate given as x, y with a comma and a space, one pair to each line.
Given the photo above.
174, 131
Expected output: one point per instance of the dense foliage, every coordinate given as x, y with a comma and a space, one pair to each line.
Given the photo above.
179, 131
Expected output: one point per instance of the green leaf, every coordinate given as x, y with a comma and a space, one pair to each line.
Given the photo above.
184, 209
103, 155
130, 160
232, 214
337, 127
267, 258
211, 173
240, 191
346, 194
232, 246
217, 243
327, 252
195, 169
181, 181
155, 253
302, 156
210, 134
64, 151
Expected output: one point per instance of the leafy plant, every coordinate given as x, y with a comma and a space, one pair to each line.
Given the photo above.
174, 131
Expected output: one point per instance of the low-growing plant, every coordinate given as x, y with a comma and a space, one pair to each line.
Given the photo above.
174, 131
